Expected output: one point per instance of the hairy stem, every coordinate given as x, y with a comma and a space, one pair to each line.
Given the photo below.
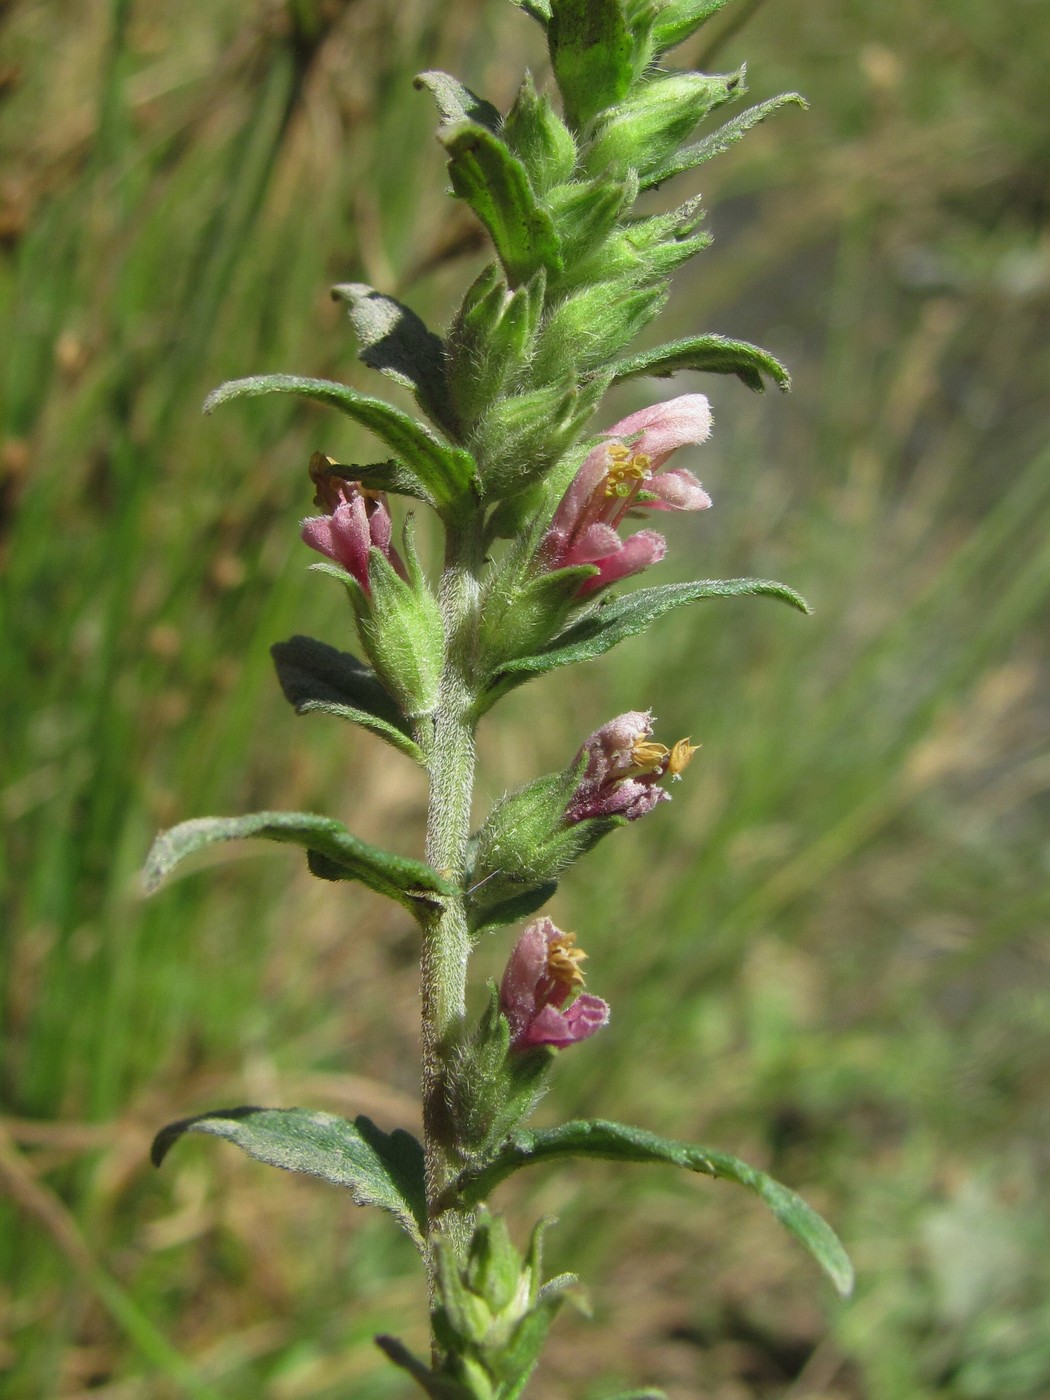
446, 939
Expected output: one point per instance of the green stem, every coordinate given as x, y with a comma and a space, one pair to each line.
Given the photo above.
446, 938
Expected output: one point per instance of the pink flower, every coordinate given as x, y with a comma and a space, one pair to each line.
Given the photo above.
624, 770
542, 973
618, 476
355, 521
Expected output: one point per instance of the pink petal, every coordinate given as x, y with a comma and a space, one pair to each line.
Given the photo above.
595, 543
636, 553
525, 966
677, 490
586, 1015
381, 527
667, 426
581, 488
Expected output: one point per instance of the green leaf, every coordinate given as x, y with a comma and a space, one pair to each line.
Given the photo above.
712, 354
457, 103
681, 18
593, 55
496, 186
379, 1169
539, 10
395, 342
410, 882
438, 1387
612, 622
443, 475
316, 678
618, 1142
718, 141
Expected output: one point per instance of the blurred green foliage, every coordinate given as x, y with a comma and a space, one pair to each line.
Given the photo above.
826, 955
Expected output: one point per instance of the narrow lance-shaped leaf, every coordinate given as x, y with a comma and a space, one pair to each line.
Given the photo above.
379, 1169
395, 342
495, 184
614, 621
443, 475
711, 354
316, 678
618, 1142
457, 103
718, 141
410, 882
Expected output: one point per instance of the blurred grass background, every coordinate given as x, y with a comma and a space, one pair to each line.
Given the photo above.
827, 956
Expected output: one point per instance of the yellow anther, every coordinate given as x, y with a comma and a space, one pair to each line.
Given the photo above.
646, 755
681, 757
563, 961
625, 470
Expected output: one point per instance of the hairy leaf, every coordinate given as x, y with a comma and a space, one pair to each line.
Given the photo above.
443, 475
592, 52
681, 18
720, 140
620, 618
437, 1386
379, 1169
457, 103
539, 10
317, 678
618, 1142
495, 184
713, 354
410, 882
397, 343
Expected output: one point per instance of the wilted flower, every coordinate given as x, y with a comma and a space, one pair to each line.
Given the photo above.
542, 973
620, 475
624, 769
355, 521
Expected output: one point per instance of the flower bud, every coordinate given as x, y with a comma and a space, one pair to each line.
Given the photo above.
651, 123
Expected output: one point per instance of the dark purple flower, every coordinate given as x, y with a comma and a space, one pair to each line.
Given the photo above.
542, 973
618, 476
355, 521
624, 769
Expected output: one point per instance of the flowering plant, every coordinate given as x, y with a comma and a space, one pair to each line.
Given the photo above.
509, 392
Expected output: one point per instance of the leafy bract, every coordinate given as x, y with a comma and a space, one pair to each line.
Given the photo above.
457, 103
316, 678
395, 342
592, 53
612, 622
618, 1142
496, 185
718, 141
379, 1169
713, 354
410, 882
436, 472
681, 18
